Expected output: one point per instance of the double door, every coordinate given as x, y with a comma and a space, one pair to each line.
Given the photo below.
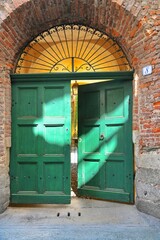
41, 140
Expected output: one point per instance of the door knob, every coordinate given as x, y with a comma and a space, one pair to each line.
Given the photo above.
101, 137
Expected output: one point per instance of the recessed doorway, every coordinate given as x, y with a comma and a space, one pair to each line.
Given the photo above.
42, 134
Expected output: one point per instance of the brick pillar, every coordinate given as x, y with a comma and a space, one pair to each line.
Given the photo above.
4, 152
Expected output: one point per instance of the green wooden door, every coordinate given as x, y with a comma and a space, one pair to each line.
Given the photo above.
105, 164
40, 156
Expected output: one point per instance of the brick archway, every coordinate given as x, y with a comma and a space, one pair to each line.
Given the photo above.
135, 28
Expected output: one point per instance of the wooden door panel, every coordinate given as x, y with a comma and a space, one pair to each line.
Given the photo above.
92, 101
28, 176
90, 177
114, 102
90, 146
40, 163
92, 173
115, 139
27, 102
26, 142
54, 177
54, 104
105, 168
114, 175
54, 142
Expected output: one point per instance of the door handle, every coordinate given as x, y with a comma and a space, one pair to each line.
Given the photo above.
101, 137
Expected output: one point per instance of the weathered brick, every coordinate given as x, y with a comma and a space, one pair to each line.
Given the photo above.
133, 23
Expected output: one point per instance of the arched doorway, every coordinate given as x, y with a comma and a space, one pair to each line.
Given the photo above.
40, 163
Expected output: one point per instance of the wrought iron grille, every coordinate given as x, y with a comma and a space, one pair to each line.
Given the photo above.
72, 48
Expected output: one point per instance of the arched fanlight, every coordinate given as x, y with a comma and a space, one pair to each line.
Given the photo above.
72, 48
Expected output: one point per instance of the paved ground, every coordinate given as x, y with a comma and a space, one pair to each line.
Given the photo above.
83, 219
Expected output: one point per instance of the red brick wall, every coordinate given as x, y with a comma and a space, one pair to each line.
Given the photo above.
134, 24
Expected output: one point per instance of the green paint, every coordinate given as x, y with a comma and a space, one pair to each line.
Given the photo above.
40, 154
105, 166
114, 76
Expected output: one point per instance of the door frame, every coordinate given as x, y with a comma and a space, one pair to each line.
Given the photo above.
108, 76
